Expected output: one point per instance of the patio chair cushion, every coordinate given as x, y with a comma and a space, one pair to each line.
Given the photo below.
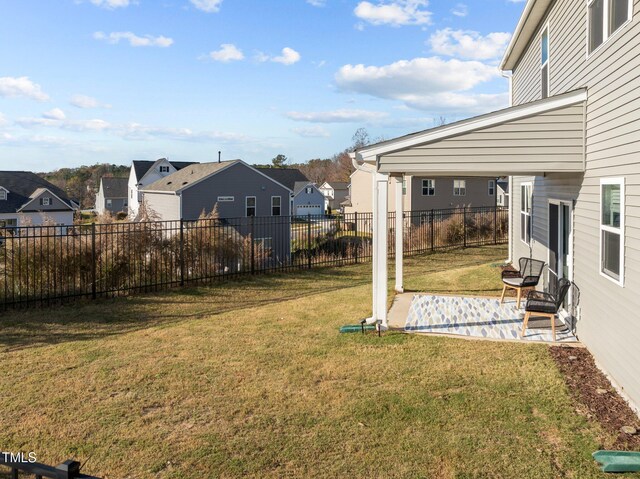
540, 306
517, 282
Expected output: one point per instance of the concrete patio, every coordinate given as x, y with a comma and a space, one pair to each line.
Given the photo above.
470, 317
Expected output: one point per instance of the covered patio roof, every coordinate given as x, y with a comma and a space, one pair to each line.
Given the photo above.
544, 136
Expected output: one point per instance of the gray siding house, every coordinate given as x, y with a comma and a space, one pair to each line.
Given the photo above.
112, 195
571, 145
28, 200
307, 198
239, 191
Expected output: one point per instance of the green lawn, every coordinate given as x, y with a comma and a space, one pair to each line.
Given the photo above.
251, 378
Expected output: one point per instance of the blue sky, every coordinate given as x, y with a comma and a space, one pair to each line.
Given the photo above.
86, 81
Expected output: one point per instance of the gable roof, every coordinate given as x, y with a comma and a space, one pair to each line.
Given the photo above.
188, 176
337, 185
141, 167
22, 186
533, 13
114, 187
301, 185
285, 176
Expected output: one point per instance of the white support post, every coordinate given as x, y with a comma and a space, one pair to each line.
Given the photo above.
380, 212
510, 234
399, 227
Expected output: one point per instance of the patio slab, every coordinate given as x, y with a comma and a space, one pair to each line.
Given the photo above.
471, 317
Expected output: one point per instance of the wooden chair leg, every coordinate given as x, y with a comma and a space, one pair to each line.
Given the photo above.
524, 325
519, 296
504, 290
553, 326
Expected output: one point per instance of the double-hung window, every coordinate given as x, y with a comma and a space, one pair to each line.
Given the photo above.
276, 205
526, 198
459, 187
164, 169
250, 206
612, 229
428, 187
492, 187
605, 18
45, 201
544, 62
3, 194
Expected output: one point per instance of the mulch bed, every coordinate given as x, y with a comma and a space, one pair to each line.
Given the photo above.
597, 398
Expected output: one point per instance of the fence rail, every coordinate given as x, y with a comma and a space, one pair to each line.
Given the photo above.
67, 470
45, 265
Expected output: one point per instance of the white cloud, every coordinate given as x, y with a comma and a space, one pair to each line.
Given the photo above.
84, 101
459, 103
209, 6
288, 56
21, 86
312, 132
227, 53
3, 120
337, 116
134, 40
317, 3
111, 4
65, 124
468, 44
54, 114
394, 13
460, 10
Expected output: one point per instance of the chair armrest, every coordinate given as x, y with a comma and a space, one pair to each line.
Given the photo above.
510, 274
530, 281
541, 296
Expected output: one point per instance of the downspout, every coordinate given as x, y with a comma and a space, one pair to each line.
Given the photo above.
509, 76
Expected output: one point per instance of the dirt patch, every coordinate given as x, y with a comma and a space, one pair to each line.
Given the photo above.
597, 399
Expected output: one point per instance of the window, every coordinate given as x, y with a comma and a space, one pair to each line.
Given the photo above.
526, 198
492, 187
404, 187
459, 187
164, 169
308, 190
428, 187
612, 228
250, 206
276, 201
605, 18
109, 203
544, 62
3, 194
46, 201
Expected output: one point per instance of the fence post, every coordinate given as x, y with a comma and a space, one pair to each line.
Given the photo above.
355, 233
68, 469
464, 223
253, 245
93, 261
432, 227
495, 225
309, 240
181, 252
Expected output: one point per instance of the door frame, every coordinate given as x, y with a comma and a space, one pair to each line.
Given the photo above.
560, 204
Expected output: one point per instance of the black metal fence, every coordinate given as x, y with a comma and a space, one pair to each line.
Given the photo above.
41, 265
19, 467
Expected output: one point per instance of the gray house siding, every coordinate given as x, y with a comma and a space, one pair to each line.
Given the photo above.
477, 193
56, 204
608, 322
305, 203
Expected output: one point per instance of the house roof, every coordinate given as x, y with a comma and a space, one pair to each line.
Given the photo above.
301, 185
338, 185
114, 187
142, 166
533, 13
22, 187
187, 176
285, 176
504, 184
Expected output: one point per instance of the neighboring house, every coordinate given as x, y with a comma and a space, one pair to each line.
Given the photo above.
239, 190
28, 200
112, 195
503, 193
307, 199
335, 192
144, 173
421, 193
571, 144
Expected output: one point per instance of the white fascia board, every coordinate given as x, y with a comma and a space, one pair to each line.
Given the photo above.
51, 193
466, 126
530, 20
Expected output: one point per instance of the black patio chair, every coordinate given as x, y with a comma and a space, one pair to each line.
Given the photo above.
546, 304
527, 277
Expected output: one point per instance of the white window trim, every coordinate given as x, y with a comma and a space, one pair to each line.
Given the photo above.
459, 187
528, 213
46, 201
433, 186
610, 229
3, 194
605, 25
164, 169
491, 186
548, 62
272, 205
246, 205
